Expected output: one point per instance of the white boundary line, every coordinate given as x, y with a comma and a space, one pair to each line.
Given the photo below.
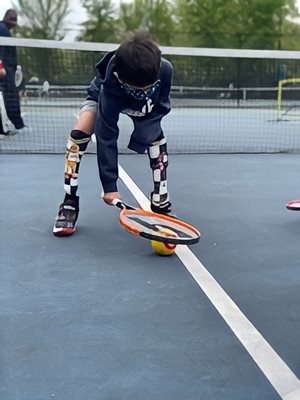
284, 381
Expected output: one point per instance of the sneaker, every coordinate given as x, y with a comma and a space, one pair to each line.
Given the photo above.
65, 222
15, 131
293, 205
162, 207
5, 134
22, 130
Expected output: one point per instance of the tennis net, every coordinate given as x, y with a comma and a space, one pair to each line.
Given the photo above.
223, 100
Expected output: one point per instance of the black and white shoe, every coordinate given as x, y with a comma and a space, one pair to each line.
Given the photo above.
65, 222
161, 207
4, 134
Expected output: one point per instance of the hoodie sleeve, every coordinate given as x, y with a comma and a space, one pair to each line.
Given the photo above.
163, 106
93, 90
106, 127
107, 132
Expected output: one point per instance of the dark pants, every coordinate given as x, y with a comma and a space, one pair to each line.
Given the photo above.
1, 127
11, 98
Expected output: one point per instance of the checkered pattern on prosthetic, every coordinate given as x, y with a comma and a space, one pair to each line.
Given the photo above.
76, 147
158, 156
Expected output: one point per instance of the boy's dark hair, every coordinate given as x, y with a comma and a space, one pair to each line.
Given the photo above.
137, 60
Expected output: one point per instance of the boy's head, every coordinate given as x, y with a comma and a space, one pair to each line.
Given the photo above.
137, 60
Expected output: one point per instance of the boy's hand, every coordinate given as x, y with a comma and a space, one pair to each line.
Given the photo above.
109, 197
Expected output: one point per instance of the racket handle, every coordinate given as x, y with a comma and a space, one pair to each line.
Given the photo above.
118, 203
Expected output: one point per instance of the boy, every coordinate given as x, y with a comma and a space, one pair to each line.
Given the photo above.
134, 80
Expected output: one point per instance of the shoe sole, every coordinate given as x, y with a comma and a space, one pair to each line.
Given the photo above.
64, 232
293, 205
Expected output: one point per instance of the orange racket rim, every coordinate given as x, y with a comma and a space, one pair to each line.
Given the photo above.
136, 230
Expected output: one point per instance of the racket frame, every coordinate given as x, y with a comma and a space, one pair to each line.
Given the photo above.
127, 210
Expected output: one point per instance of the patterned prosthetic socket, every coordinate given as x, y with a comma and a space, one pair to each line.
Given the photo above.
158, 156
76, 147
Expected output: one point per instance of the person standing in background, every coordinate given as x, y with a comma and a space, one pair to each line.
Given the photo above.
8, 55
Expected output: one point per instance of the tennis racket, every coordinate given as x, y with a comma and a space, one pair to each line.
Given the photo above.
154, 226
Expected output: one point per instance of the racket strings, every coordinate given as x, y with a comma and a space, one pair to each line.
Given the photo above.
159, 227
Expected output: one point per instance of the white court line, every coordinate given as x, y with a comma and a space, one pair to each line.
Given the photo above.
281, 377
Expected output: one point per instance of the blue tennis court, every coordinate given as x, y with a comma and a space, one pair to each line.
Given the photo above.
98, 315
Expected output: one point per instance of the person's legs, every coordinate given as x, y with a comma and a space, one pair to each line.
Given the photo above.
80, 136
12, 99
3, 116
1, 127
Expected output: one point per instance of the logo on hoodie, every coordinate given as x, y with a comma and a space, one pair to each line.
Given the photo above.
146, 109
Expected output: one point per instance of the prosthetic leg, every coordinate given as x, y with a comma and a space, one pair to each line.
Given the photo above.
158, 156
76, 147
65, 223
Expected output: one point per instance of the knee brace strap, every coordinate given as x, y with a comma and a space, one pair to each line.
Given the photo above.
79, 138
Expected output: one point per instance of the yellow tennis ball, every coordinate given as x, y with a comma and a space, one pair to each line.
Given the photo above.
163, 249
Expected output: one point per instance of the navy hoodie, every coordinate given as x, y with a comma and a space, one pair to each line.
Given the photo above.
112, 100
